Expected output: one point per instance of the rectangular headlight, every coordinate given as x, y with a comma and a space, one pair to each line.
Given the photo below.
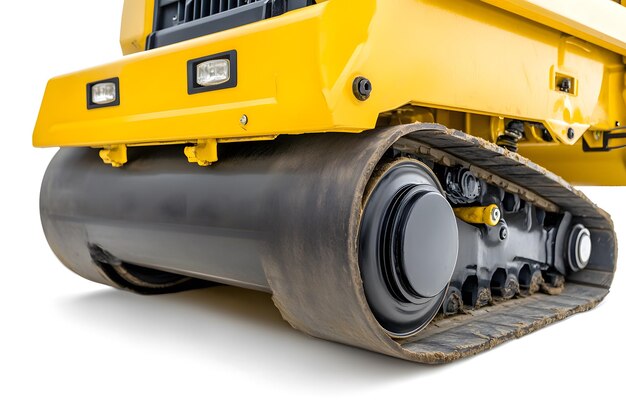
103, 93
213, 72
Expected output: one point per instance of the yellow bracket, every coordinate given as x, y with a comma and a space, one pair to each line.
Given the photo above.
567, 133
115, 156
204, 153
489, 215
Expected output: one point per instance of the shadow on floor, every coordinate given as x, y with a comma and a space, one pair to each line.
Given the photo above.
242, 328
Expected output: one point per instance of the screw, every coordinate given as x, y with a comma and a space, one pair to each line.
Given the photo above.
571, 133
504, 233
566, 85
362, 88
243, 120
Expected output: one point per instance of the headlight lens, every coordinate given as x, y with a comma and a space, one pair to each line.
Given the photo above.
103, 93
214, 72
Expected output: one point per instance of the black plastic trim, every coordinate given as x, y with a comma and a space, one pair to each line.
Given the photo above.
618, 133
236, 17
195, 88
91, 105
250, 13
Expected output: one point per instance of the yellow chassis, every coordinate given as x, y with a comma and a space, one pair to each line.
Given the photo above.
468, 64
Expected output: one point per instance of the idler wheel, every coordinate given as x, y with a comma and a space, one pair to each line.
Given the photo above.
408, 247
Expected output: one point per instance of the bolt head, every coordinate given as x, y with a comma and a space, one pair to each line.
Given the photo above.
566, 85
504, 233
244, 120
495, 214
571, 133
362, 88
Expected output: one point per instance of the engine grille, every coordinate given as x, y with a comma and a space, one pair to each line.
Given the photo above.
176, 12
180, 20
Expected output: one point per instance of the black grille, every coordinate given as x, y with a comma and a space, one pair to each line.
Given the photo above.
176, 12
178, 20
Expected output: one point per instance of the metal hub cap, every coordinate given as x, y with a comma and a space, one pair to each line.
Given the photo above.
425, 232
579, 252
408, 247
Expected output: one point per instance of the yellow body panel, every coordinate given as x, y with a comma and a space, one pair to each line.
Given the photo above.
137, 20
578, 167
295, 72
599, 22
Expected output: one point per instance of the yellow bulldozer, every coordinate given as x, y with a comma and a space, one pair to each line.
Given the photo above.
396, 173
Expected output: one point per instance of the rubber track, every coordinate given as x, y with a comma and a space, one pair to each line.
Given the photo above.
317, 287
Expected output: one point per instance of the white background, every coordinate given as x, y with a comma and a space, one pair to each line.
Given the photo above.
73, 348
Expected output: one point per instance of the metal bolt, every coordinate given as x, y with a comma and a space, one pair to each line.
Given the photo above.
243, 120
566, 85
504, 233
495, 215
571, 133
362, 88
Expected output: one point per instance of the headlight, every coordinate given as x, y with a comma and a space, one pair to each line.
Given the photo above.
213, 72
103, 93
